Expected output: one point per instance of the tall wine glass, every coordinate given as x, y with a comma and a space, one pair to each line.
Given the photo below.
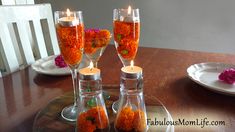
96, 40
70, 33
126, 28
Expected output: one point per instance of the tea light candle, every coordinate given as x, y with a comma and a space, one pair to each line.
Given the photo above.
131, 71
68, 21
129, 17
89, 73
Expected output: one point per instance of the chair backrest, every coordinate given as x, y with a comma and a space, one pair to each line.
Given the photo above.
16, 2
21, 18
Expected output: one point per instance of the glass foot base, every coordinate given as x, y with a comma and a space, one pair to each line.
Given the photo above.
69, 113
115, 106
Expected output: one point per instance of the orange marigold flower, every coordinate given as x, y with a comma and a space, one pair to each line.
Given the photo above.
128, 49
71, 42
104, 33
126, 34
71, 56
89, 46
124, 119
122, 28
95, 39
84, 124
139, 122
100, 117
94, 118
129, 120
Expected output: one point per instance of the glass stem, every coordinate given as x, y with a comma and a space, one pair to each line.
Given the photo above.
95, 63
75, 85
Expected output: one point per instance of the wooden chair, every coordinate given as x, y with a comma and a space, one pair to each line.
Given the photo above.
16, 47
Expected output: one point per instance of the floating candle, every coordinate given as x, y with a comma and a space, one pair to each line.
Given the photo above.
129, 10
131, 71
68, 21
89, 73
129, 17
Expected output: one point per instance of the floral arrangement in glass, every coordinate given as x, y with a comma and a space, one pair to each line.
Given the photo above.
96, 40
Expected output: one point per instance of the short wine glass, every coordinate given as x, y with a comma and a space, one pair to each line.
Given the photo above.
126, 29
70, 33
96, 40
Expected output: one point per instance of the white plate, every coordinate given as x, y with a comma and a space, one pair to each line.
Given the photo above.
47, 66
206, 74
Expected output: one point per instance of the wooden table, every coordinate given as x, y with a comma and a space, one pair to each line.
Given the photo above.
24, 93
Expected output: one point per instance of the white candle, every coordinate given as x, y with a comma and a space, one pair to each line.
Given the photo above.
129, 17
68, 20
132, 71
89, 73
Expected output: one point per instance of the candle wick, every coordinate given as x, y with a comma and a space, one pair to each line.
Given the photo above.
132, 68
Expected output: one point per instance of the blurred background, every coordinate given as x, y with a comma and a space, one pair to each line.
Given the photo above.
199, 25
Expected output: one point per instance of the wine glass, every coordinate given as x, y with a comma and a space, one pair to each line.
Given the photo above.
96, 40
70, 33
126, 28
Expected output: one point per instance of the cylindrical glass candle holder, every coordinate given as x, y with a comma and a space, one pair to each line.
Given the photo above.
92, 113
131, 115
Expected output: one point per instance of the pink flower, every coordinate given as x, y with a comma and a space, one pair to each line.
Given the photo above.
59, 61
96, 30
228, 76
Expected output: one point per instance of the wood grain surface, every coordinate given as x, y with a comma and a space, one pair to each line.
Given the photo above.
24, 93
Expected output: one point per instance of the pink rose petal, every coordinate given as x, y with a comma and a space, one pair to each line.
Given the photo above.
59, 61
228, 76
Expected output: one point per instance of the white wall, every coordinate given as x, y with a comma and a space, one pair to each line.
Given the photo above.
202, 25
